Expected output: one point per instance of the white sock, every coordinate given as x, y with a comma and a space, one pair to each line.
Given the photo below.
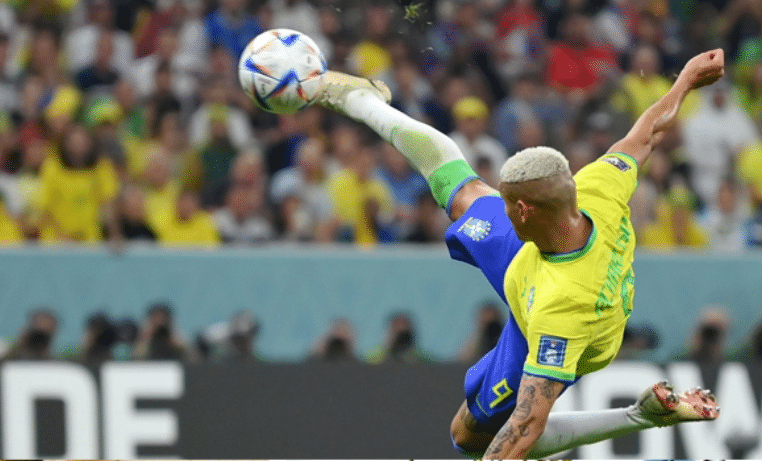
566, 430
426, 148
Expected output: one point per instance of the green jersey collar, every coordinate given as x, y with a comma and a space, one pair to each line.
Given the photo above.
576, 254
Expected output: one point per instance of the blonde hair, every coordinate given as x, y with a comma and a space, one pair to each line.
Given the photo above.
534, 163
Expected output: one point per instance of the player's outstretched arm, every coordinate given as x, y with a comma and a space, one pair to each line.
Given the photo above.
527, 422
703, 69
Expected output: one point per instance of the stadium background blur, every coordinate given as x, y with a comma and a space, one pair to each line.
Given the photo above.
123, 126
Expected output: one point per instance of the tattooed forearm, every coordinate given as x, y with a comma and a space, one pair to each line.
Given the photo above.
535, 398
548, 389
525, 402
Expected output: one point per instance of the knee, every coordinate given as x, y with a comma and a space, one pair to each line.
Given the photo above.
466, 440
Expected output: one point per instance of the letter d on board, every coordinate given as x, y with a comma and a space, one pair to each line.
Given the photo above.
25, 382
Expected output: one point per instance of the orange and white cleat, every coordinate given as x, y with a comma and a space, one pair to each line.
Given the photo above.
661, 405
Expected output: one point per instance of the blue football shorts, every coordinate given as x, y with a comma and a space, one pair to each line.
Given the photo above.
484, 237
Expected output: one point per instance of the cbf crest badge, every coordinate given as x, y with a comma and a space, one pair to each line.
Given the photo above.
476, 228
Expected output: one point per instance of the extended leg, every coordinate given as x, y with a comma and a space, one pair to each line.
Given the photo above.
657, 406
431, 152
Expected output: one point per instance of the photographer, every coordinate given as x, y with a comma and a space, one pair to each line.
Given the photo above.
34, 341
158, 339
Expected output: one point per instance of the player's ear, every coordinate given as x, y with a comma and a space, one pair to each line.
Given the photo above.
525, 210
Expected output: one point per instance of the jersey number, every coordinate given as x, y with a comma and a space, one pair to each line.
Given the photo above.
502, 391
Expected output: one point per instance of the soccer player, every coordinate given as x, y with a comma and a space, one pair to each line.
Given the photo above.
559, 250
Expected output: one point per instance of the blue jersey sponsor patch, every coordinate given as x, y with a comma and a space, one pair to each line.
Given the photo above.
476, 228
552, 351
617, 162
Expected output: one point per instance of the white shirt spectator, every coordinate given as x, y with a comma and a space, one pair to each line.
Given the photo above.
239, 128
184, 81
483, 146
254, 229
713, 136
80, 46
12, 199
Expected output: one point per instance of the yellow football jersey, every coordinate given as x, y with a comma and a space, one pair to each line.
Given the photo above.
572, 307
74, 197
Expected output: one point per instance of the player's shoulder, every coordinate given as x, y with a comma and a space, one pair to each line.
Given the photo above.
612, 162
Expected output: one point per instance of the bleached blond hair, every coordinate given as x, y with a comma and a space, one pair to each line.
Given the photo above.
534, 163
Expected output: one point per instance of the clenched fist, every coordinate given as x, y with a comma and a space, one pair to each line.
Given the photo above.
704, 69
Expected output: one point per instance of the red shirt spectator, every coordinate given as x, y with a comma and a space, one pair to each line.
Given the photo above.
575, 63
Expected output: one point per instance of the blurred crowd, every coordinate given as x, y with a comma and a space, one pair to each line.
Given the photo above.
157, 337
123, 120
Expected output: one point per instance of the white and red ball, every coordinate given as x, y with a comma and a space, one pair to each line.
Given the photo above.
281, 70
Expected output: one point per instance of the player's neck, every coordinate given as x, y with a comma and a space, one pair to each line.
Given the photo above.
571, 232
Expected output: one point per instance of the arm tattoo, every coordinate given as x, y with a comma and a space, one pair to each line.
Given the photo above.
546, 389
524, 405
527, 419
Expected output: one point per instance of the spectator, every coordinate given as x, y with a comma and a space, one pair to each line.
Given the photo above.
749, 170
158, 339
247, 171
218, 153
431, 222
337, 344
748, 91
188, 225
98, 341
400, 345
133, 123
304, 207
412, 93
369, 57
100, 76
406, 185
244, 218
708, 340
8, 90
471, 115
126, 338
575, 65
162, 190
287, 137
179, 72
528, 105
637, 341
133, 220
363, 204
676, 225
714, 135
34, 342
76, 190
243, 332
10, 230
232, 27
216, 106
29, 185
741, 21
231, 341
643, 85
80, 43
519, 36
487, 329
726, 220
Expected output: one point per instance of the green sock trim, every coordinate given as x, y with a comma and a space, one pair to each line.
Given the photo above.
449, 178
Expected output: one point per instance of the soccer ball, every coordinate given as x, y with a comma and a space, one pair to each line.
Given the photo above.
282, 71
